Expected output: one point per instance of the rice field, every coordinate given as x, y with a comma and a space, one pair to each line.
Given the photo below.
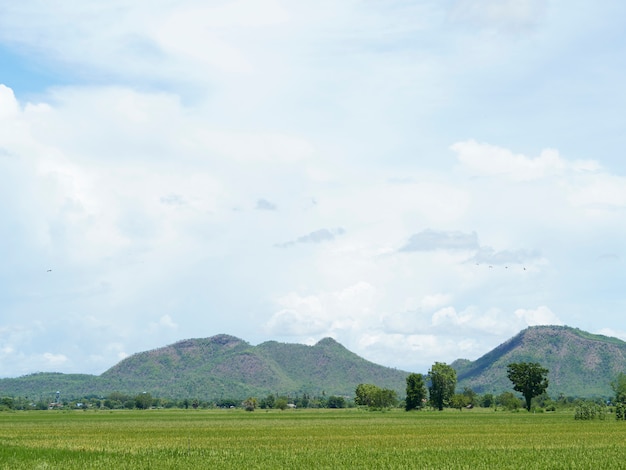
301, 439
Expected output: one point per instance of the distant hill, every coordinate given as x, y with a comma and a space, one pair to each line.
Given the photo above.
581, 364
222, 366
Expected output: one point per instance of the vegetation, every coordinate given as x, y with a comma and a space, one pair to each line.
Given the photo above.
415, 392
226, 368
581, 364
588, 410
619, 388
528, 378
375, 397
306, 439
442, 380
218, 367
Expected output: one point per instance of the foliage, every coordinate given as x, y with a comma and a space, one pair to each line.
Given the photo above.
487, 400
250, 404
143, 401
336, 402
415, 392
619, 388
375, 397
281, 403
471, 395
581, 364
588, 410
459, 401
216, 367
620, 411
528, 378
509, 401
442, 379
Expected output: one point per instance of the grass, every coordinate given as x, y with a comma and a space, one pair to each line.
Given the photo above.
320, 439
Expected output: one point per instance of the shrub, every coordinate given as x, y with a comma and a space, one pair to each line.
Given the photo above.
588, 411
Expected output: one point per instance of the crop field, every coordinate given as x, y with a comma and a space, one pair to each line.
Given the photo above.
301, 439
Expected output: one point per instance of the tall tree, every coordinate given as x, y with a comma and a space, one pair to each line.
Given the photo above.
619, 387
442, 379
415, 391
528, 378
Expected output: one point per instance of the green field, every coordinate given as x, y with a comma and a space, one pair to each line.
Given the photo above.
331, 439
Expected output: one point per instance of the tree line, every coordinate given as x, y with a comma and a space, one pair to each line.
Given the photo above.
528, 378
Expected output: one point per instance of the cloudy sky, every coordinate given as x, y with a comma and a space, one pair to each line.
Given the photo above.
418, 179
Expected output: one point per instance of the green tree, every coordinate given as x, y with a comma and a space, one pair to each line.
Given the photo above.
250, 404
509, 401
471, 395
619, 387
281, 403
336, 402
442, 379
365, 394
375, 397
528, 378
487, 400
459, 401
415, 392
143, 401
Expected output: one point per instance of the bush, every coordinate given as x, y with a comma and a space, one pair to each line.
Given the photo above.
588, 411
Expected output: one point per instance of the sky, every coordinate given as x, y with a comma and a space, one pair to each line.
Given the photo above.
419, 180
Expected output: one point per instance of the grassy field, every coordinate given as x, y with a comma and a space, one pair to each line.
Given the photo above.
300, 439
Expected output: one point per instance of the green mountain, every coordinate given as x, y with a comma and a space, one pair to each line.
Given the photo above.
580, 364
221, 367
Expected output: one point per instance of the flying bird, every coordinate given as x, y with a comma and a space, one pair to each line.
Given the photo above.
49, 271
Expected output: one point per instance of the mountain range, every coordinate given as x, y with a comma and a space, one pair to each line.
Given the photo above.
581, 364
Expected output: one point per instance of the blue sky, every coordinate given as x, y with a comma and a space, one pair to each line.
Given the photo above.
419, 180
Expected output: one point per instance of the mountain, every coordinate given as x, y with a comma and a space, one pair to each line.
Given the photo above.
580, 364
222, 366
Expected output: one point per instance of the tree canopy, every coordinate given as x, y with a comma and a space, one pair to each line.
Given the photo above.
619, 387
442, 379
415, 391
375, 397
528, 378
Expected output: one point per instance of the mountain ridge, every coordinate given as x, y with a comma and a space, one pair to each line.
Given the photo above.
580, 364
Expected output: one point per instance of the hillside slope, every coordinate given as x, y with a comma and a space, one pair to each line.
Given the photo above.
580, 363
222, 366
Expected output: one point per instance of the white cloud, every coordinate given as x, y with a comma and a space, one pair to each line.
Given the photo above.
164, 322
542, 315
489, 160
9, 107
51, 359
325, 313
156, 129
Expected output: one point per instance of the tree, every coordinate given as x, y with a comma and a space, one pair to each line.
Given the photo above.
365, 394
415, 391
143, 401
442, 379
487, 400
375, 397
619, 387
528, 378
459, 401
250, 404
509, 401
471, 396
336, 402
